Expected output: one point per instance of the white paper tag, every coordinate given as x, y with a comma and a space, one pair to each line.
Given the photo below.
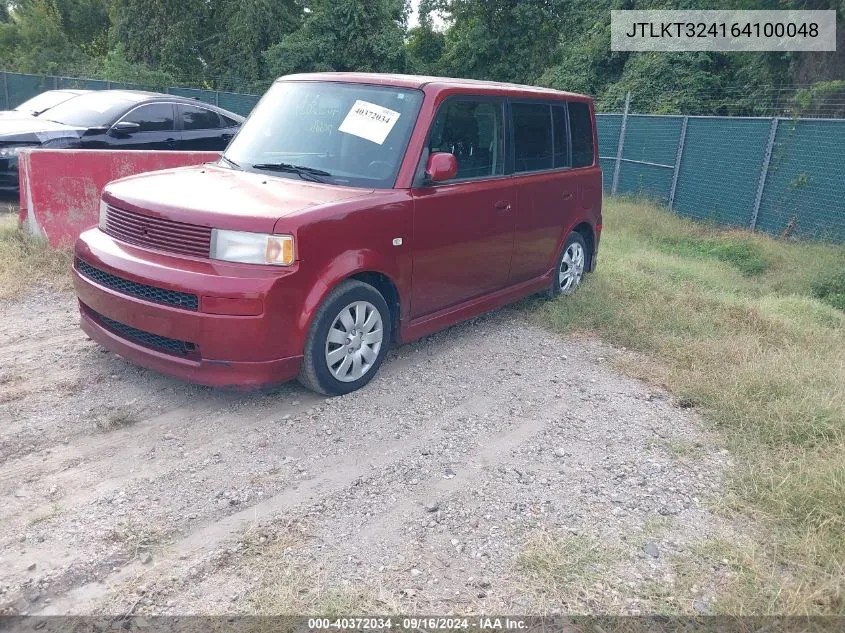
369, 121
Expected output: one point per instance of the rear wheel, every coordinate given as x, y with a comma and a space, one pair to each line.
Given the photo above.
570, 267
347, 341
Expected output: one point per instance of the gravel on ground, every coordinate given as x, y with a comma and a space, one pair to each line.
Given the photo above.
493, 467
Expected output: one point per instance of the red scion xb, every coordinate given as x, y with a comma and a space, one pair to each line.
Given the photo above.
350, 212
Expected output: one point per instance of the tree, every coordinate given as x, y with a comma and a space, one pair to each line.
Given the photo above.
344, 35
504, 40
163, 34
425, 49
35, 40
244, 29
85, 24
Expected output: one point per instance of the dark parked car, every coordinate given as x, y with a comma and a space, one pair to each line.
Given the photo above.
117, 119
39, 104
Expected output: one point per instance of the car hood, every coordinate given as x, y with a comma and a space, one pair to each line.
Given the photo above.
5, 115
35, 130
223, 198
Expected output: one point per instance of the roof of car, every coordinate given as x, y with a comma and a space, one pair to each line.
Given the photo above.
420, 81
140, 96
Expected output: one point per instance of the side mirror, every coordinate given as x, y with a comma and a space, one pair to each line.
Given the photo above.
124, 127
441, 166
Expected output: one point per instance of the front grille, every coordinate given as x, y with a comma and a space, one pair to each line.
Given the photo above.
173, 298
147, 339
159, 233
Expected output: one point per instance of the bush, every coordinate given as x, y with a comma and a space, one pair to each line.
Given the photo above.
830, 288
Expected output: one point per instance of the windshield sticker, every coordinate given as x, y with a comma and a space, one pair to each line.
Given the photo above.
369, 121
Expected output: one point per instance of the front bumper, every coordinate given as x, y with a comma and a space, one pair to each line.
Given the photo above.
239, 330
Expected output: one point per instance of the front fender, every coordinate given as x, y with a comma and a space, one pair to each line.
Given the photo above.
343, 267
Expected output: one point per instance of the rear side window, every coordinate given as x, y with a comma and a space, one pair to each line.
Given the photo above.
227, 122
532, 136
199, 119
561, 139
473, 131
582, 134
156, 117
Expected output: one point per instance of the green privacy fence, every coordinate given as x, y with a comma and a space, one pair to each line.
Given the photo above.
17, 88
779, 175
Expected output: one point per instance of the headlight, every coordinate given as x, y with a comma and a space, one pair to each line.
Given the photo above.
103, 210
12, 150
251, 248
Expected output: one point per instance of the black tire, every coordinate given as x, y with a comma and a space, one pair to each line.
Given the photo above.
569, 287
315, 373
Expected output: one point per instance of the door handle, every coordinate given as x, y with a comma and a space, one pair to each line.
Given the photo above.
227, 137
503, 206
170, 141
568, 195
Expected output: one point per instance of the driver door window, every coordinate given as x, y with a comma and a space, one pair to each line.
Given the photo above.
473, 131
155, 130
157, 117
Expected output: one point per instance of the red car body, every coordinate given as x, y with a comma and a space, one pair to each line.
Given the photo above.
148, 292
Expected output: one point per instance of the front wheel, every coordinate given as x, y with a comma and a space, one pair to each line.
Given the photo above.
570, 266
347, 341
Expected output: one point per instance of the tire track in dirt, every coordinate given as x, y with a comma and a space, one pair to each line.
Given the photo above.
465, 420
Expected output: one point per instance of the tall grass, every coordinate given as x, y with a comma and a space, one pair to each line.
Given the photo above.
26, 260
751, 331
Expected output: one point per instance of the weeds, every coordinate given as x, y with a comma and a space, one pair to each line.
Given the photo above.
112, 417
287, 585
830, 288
746, 328
26, 260
564, 568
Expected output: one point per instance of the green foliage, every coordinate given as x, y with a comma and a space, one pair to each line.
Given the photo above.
36, 39
242, 45
808, 100
344, 35
424, 48
502, 40
741, 252
244, 29
162, 34
116, 67
830, 288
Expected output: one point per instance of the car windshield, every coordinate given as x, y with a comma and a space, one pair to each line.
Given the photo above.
44, 101
354, 134
90, 110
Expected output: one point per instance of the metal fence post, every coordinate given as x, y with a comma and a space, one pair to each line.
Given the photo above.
677, 170
620, 145
217, 98
6, 90
764, 171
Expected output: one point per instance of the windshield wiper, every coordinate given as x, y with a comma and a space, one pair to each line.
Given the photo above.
306, 173
231, 162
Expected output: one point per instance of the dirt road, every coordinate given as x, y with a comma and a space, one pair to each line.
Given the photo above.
495, 466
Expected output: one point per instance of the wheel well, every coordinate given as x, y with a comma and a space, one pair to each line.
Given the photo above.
386, 287
586, 232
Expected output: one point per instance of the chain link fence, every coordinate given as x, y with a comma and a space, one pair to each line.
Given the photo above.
780, 175
18, 87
